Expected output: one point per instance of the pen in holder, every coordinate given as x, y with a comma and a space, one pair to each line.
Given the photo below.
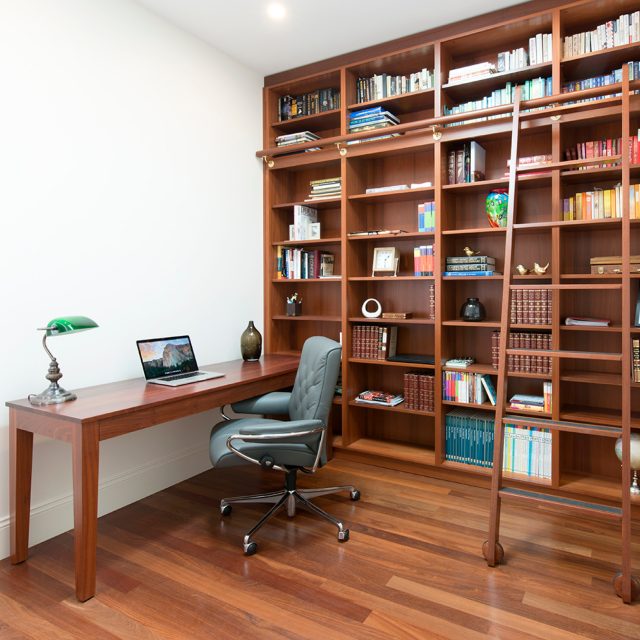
294, 305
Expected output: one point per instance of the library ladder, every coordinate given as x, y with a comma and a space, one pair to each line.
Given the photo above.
625, 584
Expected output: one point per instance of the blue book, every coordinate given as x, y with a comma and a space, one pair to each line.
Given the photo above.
365, 112
463, 274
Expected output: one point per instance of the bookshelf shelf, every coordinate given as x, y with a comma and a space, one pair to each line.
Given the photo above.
397, 409
583, 358
306, 280
304, 243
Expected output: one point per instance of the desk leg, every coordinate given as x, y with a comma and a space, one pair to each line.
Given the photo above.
86, 454
20, 462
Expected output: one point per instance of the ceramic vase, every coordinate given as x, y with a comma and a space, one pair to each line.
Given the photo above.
251, 343
473, 310
496, 207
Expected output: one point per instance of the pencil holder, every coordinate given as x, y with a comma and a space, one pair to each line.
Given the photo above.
294, 308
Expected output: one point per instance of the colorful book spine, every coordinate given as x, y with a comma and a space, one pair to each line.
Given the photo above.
427, 216
527, 451
423, 260
463, 386
301, 264
307, 104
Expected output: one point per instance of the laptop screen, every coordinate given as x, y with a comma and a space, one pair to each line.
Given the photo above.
165, 356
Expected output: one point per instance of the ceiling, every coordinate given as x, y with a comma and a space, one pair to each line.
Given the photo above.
311, 31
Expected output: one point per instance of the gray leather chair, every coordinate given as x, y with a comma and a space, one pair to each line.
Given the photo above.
291, 445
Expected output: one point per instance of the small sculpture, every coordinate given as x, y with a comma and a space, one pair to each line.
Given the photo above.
540, 270
470, 252
522, 270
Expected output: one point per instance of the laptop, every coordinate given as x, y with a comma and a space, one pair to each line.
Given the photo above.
171, 362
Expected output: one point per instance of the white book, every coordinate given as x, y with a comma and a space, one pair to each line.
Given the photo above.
303, 217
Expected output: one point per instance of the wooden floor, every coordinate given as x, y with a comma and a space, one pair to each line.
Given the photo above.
170, 567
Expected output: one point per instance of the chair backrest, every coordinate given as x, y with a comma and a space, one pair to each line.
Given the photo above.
316, 379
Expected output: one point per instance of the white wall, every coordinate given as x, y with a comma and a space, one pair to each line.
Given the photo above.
125, 145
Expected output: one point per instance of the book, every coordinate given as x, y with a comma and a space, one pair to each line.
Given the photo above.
419, 391
489, 388
381, 398
395, 187
469, 273
460, 363
470, 260
303, 218
412, 358
586, 322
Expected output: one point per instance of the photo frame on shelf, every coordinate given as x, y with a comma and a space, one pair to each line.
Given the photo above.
385, 262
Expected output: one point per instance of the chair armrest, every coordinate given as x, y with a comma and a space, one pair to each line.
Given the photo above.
274, 403
284, 429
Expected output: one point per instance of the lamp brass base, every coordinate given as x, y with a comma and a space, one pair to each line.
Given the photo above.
53, 394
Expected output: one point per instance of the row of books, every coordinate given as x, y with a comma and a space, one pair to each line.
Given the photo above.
399, 187
471, 388
613, 77
599, 204
419, 391
635, 352
423, 260
613, 33
466, 163
529, 363
379, 398
308, 103
385, 85
305, 223
535, 88
531, 306
605, 147
290, 139
325, 189
469, 437
526, 161
527, 450
427, 216
301, 264
471, 72
470, 266
526, 402
373, 342
539, 52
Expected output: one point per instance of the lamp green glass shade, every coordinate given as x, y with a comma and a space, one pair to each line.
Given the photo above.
69, 324
54, 393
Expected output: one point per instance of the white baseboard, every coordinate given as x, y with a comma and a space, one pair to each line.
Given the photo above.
53, 517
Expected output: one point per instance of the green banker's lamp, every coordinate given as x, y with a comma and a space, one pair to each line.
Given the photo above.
54, 393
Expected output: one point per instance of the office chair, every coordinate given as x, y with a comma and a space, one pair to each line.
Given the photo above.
296, 444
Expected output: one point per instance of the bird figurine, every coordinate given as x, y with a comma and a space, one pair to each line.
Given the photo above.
522, 270
540, 270
470, 252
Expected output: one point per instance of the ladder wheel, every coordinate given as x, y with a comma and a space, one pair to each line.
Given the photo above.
635, 586
499, 552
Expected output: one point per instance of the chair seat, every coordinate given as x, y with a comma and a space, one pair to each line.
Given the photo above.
283, 453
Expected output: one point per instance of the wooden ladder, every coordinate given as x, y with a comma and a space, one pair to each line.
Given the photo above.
625, 584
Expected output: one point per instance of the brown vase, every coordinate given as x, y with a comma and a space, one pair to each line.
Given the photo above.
251, 343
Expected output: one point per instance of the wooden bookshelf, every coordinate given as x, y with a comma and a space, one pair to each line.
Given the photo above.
591, 389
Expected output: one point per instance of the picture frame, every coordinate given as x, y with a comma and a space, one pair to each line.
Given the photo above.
385, 262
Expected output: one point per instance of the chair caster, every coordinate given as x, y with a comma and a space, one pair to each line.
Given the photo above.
635, 586
250, 548
343, 536
499, 553
354, 495
225, 509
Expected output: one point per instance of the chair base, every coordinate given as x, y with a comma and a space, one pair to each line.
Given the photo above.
289, 497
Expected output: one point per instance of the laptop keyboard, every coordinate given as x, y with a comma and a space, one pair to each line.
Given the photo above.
180, 376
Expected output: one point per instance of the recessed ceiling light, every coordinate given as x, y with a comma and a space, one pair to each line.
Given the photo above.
276, 11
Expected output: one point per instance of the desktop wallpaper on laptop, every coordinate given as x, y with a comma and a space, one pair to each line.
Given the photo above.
164, 357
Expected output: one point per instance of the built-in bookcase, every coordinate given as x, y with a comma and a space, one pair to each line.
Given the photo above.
583, 464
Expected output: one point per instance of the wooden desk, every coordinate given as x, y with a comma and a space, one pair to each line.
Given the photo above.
107, 411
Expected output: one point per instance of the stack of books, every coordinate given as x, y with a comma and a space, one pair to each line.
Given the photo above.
373, 342
535, 88
308, 103
423, 260
635, 351
466, 164
527, 450
460, 363
471, 72
380, 398
427, 216
613, 33
301, 264
385, 85
326, 189
539, 404
469, 437
527, 161
418, 391
575, 321
297, 138
529, 363
470, 388
371, 120
597, 204
531, 306
470, 266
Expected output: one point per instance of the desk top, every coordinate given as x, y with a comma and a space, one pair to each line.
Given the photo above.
109, 400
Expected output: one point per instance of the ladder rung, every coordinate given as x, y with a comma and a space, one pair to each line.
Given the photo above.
567, 287
575, 355
592, 508
561, 425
